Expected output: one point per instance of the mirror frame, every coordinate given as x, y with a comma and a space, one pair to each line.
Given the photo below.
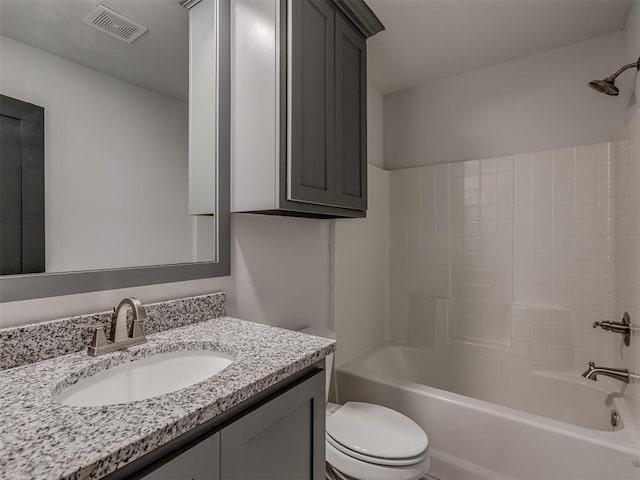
40, 285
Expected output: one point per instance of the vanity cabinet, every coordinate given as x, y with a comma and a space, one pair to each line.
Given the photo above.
300, 111
283, 439
278, 436
200, 462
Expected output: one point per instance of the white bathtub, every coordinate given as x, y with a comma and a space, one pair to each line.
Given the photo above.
490, 417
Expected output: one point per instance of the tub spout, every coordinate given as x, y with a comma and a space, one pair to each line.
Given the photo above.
621, 374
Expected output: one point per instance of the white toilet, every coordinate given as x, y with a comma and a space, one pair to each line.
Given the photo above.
370, 442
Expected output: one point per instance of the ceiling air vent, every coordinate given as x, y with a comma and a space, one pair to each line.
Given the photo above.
115, 24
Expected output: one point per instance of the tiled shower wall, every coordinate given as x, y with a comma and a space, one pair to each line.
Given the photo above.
627, 244
521, 246
481, 233
419, 260
564, 251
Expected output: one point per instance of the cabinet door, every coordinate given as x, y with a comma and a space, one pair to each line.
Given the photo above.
310, 159
351, 117
281, 440
201, 462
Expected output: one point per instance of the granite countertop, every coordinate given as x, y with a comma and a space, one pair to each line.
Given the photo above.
43, 439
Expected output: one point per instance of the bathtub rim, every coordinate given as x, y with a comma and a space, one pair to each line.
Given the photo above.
626, 440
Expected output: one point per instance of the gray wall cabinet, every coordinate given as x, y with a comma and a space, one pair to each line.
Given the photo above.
327, 159
277, 435
312, 159
350, 116
300, 142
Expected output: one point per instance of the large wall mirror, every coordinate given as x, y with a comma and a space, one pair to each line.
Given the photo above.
114, 144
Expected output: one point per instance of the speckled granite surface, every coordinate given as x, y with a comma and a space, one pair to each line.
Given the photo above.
43, 439
39, 341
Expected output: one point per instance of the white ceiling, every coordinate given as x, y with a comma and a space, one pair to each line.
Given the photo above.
158, 60
424, 39
429, 39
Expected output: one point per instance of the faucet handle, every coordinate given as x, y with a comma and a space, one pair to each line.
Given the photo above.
623, 327
99, 340
135, 330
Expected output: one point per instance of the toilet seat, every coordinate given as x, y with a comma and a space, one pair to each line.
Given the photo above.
376, 431
367, 441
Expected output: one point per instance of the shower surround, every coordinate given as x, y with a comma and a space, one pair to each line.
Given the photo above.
521, 248
627, 244
497, 270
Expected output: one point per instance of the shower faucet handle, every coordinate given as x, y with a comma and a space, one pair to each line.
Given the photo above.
623, 327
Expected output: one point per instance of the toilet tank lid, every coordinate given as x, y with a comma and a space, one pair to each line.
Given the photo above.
319, 332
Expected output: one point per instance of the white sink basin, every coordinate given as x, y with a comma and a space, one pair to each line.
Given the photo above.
145, 378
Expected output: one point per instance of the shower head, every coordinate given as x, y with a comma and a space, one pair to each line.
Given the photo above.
608, 85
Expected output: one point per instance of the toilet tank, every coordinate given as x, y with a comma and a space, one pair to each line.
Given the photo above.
326, 333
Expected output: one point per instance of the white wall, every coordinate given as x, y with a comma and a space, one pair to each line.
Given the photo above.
632, 44
115, 163
280, 270
632, 33
360, 254
564, 275
361, 272
280, 276
42, 309
540, 102
419, 257
627, 175
375, 120
627, 245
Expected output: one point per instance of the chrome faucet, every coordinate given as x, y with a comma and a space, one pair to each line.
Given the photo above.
119, 338
621, 374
